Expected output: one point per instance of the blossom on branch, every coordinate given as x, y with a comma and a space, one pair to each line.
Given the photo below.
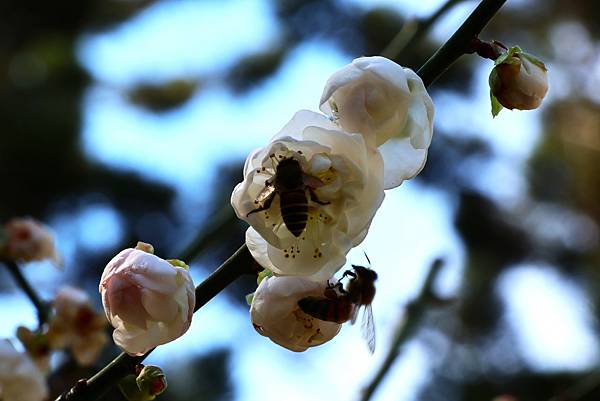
148, 300
75, 324
20, 379
28, 240
275, 313
310, 195
518, 81
390, 106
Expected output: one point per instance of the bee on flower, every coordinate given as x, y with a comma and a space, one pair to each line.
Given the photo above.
309, 196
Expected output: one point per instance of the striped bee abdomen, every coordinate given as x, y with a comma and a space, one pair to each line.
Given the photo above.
294, 210
330, 310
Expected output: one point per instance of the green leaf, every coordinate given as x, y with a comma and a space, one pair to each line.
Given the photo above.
496, 106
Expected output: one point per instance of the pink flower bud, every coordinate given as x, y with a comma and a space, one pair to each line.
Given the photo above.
518, 81
148, 300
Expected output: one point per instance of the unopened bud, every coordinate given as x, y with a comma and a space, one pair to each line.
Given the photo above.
149, 382
518, 81
152, 380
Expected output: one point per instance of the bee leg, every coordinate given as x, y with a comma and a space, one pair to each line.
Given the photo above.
349, 273
314, 198
265, 206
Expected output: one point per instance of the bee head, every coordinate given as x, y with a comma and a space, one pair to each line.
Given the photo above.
365, 273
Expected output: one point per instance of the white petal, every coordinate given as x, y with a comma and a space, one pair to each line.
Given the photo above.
401, 160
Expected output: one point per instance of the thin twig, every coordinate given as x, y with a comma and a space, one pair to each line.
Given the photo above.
407, 325
40, 306
413, 31
460, 42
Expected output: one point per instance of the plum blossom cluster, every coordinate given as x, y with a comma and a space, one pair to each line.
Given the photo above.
310, 194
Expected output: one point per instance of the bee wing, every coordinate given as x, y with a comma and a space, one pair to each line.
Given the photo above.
311, 181
265, 194
368, 328
354, 314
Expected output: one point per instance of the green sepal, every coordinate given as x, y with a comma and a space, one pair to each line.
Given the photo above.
249, 298
534, 60
508, 56
178, 263
496, 106
262, 275
143, 246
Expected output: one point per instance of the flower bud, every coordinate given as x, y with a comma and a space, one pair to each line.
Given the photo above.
28, 240
518, 81
76, 325
152, 380
20, 379
148, 300
275, 313
148, 382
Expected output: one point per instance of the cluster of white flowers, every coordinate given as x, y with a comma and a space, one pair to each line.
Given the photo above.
310, 195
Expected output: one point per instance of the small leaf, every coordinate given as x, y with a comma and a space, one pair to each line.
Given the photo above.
496, 106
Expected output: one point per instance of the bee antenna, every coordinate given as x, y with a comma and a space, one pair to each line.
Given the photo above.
368, 260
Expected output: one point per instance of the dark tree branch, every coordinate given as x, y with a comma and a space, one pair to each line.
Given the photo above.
460, 42
413, 31
40, 306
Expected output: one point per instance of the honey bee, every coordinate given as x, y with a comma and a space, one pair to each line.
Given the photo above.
291, 184
340, 304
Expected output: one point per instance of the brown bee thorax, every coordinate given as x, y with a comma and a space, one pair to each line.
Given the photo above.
288, 176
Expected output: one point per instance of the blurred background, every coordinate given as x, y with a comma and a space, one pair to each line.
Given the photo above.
127, 120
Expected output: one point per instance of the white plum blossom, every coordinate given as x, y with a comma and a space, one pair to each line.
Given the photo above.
148, 300
76, 325
390, 106
20, 379
343, 190
27, 240
275, 313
